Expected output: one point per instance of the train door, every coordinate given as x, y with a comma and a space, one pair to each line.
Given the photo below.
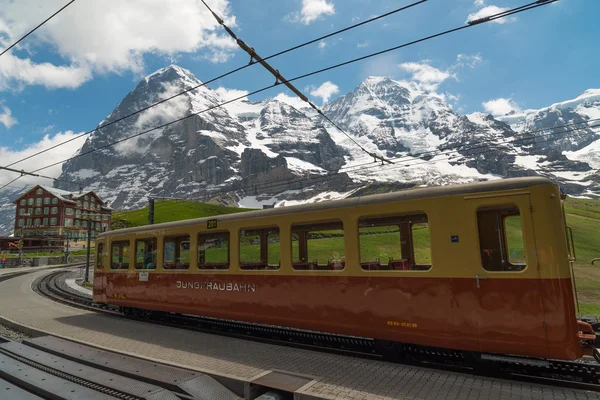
99, 282
506, 280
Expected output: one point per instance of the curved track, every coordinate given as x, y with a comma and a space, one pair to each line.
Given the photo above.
580, 374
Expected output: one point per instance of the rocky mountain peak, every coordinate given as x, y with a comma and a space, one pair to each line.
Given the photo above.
237, 148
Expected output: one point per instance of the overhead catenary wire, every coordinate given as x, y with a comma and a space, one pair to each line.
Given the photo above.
521, 9
36, 28
370, 20
279, 78
23, 173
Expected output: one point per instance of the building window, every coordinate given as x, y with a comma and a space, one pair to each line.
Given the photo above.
77, 223
177, 252
45, 221
213, 250
145, 253
105, 217
78, 213
79, 203
99, 255
23, 202
46, 200
29, 222
120, 255
38, 202
85, 205
30, 201
21, 211
68, 211
501, 238
68, 222
93, 199
259, 248
318, 246
38, 211
46, 211
84, 224
40, 191
54, 210
54, 200
52, 221
20, 223
86, 197
397, 242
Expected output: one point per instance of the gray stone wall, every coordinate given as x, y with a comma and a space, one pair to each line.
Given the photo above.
56, 260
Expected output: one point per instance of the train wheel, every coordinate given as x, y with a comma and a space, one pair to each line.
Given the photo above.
389, 350
126, 311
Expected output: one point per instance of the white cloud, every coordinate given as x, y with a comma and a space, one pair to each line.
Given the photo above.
16, 72
490, 10
479, 3
466, 60
453, 97
500, 106
6, 117
108, 36
291, 100
363, 44
322, 44
325, 91
311, 11
60, 153
230, 94
429, 77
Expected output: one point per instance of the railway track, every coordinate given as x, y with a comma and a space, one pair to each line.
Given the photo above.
578, 374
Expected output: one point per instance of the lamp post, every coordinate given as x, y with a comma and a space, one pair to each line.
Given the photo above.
20, 244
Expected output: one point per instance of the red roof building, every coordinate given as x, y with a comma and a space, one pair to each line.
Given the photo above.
47, 217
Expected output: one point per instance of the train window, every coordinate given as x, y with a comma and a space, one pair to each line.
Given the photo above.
120, 255
99, 251
398, 242
145, 253
259, 248
213, 250
177, 252
318, 246
501, 238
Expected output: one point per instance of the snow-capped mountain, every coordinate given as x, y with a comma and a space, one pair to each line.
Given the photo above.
252, 153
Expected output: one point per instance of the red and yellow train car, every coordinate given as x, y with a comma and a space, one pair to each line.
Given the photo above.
481, 267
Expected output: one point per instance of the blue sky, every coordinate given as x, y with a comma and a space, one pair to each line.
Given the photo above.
67, 77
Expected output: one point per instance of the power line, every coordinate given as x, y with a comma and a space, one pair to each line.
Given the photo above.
36, 28
252, 62
487, 19
22, 173
279, 78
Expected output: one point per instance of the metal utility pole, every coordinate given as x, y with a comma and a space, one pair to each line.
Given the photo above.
89, 238
20, 245
67, 250
150, 210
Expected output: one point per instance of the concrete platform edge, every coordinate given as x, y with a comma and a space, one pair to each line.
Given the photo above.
233, 382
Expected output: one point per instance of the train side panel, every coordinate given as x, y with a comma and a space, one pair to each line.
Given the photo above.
527, 313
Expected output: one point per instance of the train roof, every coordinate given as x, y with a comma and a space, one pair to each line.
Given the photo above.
407, 194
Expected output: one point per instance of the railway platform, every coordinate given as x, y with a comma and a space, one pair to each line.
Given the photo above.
249, 365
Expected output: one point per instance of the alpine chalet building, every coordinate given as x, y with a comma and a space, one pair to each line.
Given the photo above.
47, 217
